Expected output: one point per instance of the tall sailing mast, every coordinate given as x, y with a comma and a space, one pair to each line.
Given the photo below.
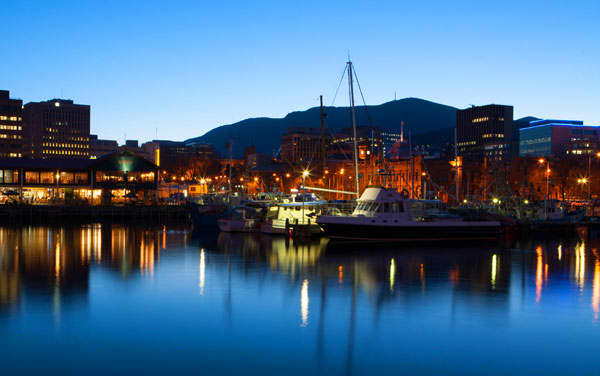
351, 94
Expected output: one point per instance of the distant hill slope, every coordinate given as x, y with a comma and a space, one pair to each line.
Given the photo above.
419, 116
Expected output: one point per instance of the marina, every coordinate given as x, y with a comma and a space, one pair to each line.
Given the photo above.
354, 311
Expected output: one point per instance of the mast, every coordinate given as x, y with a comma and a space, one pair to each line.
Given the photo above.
412, 166
230, 161
323, 151
351, 94
456, 162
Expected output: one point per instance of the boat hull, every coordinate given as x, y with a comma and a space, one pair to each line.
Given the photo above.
410, 233
239, 225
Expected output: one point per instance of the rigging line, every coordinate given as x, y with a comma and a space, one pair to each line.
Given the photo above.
363, 97
340, 84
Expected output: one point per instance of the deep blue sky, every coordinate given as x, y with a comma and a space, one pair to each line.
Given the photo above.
185, 67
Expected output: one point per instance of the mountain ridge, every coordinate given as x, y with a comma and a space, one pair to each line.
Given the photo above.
419, 116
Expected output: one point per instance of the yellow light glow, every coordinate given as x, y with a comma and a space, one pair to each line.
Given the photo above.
580, 265
305, 173
495, 200
538, 274
559, 252
304, 302
392, 274
202, 271
526, 202
541, 161
494, 270
596, 290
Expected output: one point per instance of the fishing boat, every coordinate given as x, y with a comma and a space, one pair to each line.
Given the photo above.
301, 209
242, 218
387, 215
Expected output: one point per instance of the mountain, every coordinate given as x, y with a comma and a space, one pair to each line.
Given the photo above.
419, 116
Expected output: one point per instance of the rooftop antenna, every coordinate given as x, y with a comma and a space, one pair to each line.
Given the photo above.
395, 96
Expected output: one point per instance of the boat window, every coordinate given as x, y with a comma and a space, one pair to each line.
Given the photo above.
394, 207
379, 208
386, 207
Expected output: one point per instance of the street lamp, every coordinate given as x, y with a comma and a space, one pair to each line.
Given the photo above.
542, 161
305, 173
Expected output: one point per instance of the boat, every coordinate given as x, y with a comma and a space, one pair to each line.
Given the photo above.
301, 210
206, 211
384, 214
242, 218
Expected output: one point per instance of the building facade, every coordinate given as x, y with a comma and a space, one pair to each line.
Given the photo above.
556, 138
57, 128
11, 126
99, 147
485, 132
115, 177
301, 145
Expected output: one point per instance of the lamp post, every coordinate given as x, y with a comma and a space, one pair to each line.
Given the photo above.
589, 174
542, 161
305, 173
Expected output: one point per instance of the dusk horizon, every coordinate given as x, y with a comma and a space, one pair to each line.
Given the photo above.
177, 72
300, 188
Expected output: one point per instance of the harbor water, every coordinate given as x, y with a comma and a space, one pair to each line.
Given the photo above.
117, 299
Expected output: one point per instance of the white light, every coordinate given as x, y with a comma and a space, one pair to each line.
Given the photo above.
56, 104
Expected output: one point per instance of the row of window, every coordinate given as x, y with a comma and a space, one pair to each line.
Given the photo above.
62, 145
63, 152
11, 136
493, 135
11, 127
10, 118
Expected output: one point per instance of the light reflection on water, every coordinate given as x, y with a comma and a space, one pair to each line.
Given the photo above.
128, 294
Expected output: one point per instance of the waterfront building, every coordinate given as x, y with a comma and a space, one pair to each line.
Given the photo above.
177, 155
57, 128
391, 138
555, 138
111, 178
11, 126
370, 142
99, 147
485, 132
301, 145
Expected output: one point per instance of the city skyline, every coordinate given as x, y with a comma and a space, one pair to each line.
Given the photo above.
198, 67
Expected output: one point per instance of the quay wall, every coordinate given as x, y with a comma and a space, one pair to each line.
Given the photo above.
64, 214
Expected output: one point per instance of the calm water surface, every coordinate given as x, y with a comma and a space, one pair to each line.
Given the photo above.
115, 299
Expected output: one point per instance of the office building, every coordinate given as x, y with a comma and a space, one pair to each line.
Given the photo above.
57, 128
485, 132
556, 138
11, 126
302, 145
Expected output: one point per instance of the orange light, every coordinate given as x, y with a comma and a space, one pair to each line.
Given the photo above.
541, 161
287, 175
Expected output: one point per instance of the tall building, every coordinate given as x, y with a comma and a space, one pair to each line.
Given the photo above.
11, 126
485, 132
555, 138
301, 145
57, 128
